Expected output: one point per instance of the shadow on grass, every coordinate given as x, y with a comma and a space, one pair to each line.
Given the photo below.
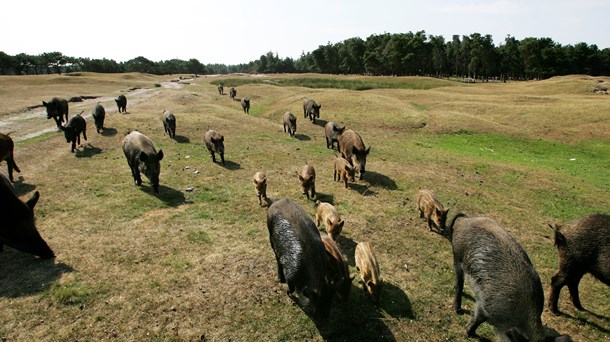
395, 302
171, 197
88, 151
109, 132
181, 139
229, 165
22, 188
321, 122
377, 179
364, 190
594, 325
24, 275
322, 197
302, 137
348, 247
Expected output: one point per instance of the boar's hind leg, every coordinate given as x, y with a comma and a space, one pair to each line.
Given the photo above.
479, 317
459, 287
573, 287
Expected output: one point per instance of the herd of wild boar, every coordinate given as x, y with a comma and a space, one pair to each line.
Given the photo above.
508, 291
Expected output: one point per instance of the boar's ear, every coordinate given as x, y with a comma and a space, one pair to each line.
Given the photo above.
32, 201
45, 104
368, 150
340, 225
329, 222
301, 178
318, 202
560, 239
254, 181
370, 284
160, 155
222, 138
143, 157
355, 150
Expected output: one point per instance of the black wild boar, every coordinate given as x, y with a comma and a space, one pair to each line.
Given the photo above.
290, 122
169, 123
121, 102
6, 153
311, 110
232, 93
99, 114
432, 209
260, 181
507, 289
301, 258
307, 177
57, 108
583, 246
18, 229
73, 129
142, 157
215, 144
352, 148
344, 171
245, 104
221, 89
338, 273
333, 132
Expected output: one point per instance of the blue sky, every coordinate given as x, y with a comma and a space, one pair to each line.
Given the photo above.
238, 31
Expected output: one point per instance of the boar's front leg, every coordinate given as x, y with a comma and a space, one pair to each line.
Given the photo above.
459, 287
213, 156
476, 320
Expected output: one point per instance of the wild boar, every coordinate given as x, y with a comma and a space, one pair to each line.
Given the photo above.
301, 258
333, 132
169, 123
431, 208
583, 246
260, 181
328, 214
352, 148
18, 229
121, 102
57, 108
99, 114
245, 104
290, 122
221, 89
338, 273
308, 180
6, 153
311, 109
366, 263
142, 157
73, 129
232, 93
344, 171
507, 289
215, 144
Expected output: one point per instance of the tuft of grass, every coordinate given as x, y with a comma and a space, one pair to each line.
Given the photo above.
73, 293
199, 236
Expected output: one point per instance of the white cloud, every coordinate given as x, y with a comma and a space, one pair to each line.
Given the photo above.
483, 7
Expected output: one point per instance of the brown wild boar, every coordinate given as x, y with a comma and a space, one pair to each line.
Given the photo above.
332, 132
344, 171
142, 157
431, 208
245, 104
352, 148
290, 122
366, 263
308, 180
338, 273
221, 89
328, 214
260, 181
507, 289
311, 110
232, 93
169, 123
215, 144
18, 229
6, 153
583, 246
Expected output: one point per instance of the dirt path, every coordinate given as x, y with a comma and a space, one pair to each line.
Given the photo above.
34, 122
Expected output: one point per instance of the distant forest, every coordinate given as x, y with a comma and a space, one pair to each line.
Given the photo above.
401, 54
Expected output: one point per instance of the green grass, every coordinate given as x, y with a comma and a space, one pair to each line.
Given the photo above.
74, 293
338, 83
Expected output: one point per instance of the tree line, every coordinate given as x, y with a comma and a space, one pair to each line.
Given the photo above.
402, 54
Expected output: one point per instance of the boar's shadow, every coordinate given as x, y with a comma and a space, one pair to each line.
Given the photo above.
348, 248
24, 275
171, 197
181, 139
109, 132
302, 137
22, 188
581, 320
88, 151
356, 320
229, 165
395, 302
377, 179
364, 190
320, 122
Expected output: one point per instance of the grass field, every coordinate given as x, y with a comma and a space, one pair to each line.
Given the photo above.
191, 265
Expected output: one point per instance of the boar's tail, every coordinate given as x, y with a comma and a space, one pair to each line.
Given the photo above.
81, 112
11, 132
448, 231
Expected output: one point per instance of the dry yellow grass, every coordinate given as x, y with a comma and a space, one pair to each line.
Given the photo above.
184, 265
